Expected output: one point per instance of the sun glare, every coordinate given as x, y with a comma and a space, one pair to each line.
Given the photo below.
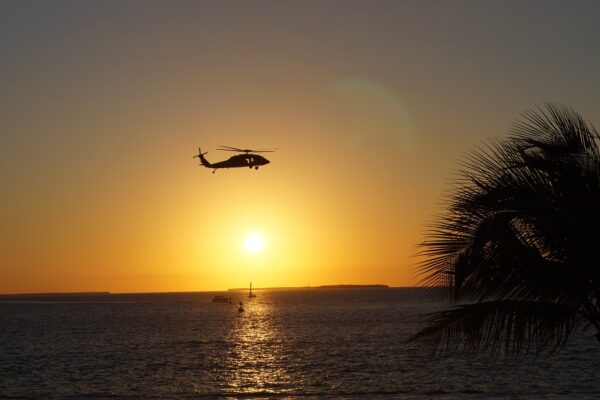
254, 243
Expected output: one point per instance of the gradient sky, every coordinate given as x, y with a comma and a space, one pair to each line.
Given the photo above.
371, 104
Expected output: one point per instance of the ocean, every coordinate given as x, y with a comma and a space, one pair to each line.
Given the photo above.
296, 343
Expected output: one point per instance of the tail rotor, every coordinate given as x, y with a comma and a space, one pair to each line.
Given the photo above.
203, 161
200, 153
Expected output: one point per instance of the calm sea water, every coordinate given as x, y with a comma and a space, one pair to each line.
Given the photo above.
345, 343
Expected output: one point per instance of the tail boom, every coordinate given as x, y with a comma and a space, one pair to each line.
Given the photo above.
203, 160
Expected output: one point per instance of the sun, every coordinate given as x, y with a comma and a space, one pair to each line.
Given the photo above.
254, 243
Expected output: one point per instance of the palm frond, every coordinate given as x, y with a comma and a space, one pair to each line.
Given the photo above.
499, 327
555, 130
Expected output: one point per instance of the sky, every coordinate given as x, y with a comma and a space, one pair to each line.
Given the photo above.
371, 106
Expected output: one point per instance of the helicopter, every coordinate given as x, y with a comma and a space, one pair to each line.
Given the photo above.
246, 159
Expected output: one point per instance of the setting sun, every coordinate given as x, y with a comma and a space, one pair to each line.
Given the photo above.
254, 243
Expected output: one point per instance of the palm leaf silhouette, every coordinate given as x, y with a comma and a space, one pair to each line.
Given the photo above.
516, 247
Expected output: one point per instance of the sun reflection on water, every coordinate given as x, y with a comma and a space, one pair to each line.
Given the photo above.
257, 359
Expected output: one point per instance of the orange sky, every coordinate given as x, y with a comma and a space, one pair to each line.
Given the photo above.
371, 105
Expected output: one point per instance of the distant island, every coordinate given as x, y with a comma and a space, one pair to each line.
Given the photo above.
322, 287
55, 294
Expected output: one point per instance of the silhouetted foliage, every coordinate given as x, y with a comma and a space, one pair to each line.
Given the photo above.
516, 249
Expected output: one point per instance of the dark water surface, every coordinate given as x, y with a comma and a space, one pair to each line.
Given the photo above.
345, 343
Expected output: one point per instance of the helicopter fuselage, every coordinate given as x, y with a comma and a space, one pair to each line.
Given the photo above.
241, 160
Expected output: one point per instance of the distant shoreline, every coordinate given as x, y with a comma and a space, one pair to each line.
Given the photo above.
321, 287
6, 296
56, 294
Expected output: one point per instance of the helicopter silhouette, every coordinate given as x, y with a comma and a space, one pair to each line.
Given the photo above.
246, 159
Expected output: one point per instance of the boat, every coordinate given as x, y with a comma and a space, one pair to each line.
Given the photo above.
241, 307
221, 299
250, 294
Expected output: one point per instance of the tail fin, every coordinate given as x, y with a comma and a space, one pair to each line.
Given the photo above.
203, 160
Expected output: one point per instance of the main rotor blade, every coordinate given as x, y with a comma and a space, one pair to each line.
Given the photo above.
229, 148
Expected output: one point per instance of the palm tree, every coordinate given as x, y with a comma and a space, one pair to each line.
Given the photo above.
516, 250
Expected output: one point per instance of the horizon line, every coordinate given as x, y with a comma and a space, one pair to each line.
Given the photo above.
106, 292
